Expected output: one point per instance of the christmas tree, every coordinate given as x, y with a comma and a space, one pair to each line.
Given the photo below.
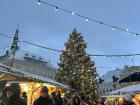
76, 68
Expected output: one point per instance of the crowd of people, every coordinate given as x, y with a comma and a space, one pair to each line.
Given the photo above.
55, 98
13, 96
126, 100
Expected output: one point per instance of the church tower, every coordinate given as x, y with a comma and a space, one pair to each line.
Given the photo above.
14, 45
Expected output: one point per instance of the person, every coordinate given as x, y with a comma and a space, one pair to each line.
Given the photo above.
108, 102
59, 98
128, 100
44, 98
13, 95
65, 101
76, 100
54, 98
102, 101
24, 97
3, 98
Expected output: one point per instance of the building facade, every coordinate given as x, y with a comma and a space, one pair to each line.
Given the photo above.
109, 85
26, 61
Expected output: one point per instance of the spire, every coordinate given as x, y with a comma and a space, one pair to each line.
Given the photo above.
14, 45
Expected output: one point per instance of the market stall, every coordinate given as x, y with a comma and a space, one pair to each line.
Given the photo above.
129, 91
29, 83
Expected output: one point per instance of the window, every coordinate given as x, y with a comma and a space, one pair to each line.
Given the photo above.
33, 56
26, 55
103, 91
40, 58
107, 90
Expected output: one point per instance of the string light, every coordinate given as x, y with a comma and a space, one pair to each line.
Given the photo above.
100, 23
113, 28
135, 34
122, 56
73, 13
1, 34
56, 50
39, 2
56, 9
87, 18
126, 30
131, 56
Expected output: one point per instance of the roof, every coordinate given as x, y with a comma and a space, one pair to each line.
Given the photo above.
132, 77
20, 54
13, 71
108, 76
126, 90
28, 62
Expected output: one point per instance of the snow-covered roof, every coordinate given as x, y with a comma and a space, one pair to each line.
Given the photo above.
126, 90
26, 74
20, 54
108, 76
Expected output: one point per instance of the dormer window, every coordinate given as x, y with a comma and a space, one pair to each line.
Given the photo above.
40, 58
33, 56
26, 55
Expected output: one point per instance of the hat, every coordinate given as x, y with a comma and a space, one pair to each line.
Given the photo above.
44, 89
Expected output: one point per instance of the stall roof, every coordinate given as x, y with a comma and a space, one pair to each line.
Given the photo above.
126, 90
14, 73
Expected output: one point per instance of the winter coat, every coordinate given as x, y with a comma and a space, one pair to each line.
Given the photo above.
43, 101
15, 101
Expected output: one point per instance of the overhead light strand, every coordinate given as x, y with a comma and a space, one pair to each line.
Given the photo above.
113, 27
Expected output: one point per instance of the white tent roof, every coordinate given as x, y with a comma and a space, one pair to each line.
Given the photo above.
126, 90
26, 74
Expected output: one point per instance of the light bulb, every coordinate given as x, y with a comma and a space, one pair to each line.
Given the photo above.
87, 19
113, 28
135, 34
56, 9
100, 22
39, 2
122, 56
73, 13
126, 30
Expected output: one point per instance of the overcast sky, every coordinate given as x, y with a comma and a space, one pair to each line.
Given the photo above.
42, 25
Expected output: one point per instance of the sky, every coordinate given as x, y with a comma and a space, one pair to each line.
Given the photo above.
42, 25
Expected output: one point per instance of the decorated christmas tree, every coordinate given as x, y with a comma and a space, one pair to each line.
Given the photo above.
76, 68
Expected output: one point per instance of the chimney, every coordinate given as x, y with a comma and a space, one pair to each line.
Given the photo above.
7, 52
